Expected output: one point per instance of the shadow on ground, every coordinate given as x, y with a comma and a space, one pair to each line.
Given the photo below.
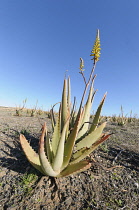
15, 159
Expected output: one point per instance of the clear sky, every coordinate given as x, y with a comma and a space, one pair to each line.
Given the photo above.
41, 39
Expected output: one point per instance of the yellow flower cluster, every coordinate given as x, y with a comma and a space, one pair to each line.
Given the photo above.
96, 49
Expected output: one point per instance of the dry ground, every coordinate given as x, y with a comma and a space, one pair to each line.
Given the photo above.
111, 183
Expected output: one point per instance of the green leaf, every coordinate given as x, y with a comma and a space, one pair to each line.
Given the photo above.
46, 166
86, 116
73, 115
48, 148
64, 106
80, 155
91, 138
68, 104
70, 142
31, 155
56, 134
69, 95
52, 118
75, 168
58, 159
97, 115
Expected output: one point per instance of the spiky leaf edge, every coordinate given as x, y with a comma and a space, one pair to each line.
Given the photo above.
86, 151
91, 138
97, 115
31, 155
45, 164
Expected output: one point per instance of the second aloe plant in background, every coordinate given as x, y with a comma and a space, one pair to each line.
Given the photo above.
74, 138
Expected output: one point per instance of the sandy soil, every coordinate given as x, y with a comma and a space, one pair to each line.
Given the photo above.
111, 183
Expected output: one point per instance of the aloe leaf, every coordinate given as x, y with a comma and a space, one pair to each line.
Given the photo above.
97, 115
64, 105
91, 138
81, 120
48, 148
58, 159
45, 164
70, 142
86, 115
75, 168
72, 115
69, 94
52, 118
80, 155
68, 104
31, 155
56, 134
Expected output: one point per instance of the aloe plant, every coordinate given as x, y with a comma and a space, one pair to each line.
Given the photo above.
74, 137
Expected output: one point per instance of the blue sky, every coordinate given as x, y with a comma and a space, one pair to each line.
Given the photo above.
40, 40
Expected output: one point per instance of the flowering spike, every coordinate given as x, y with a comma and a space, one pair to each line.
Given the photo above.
81, 64
96, 48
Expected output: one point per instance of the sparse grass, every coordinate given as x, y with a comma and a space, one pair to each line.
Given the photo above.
104, 147
27, 182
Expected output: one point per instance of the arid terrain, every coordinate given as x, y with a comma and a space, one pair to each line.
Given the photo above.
111, 183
